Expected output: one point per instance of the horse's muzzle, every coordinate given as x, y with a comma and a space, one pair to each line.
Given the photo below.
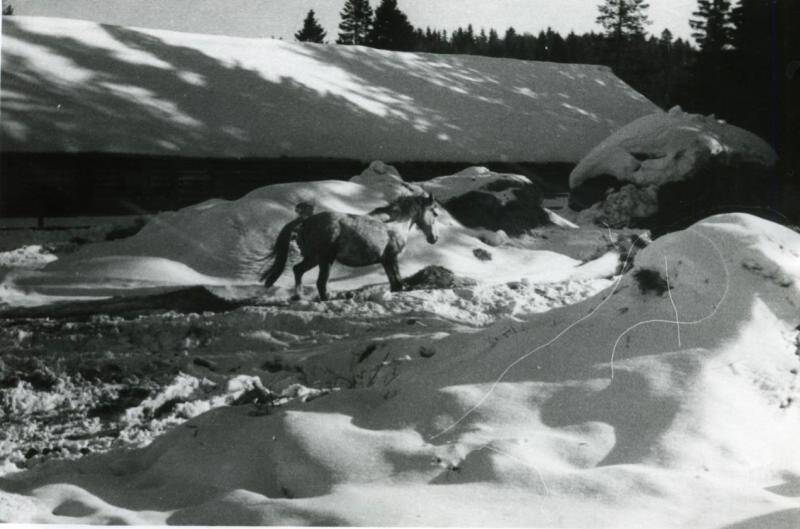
432, 239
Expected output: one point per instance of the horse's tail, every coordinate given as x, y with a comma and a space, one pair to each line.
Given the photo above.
280, 253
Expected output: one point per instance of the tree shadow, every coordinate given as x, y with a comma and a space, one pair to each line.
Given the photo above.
140, 93
168, 98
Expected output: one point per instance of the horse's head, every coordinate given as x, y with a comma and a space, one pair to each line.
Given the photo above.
425, 217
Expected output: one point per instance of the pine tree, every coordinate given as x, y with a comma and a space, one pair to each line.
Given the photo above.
8, 10
356, 22
311, 30
495, 44
754, 59
510, 44
713, 28
712, 73
391, 29
623, 19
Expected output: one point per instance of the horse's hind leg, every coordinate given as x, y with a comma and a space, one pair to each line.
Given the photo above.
322, 278
299, 269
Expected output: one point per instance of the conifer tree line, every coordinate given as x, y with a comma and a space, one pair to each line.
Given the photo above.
728, 72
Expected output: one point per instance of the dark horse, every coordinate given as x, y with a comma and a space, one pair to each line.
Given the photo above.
353, 240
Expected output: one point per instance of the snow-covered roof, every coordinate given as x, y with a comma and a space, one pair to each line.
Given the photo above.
76, 86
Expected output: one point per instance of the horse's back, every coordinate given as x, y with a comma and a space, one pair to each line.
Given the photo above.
362, 240
319, 233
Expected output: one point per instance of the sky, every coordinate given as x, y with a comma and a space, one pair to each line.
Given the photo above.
281, 18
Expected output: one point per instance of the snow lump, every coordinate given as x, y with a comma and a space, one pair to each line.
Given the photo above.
669, 168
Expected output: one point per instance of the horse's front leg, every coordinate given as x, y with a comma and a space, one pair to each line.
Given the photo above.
392, 268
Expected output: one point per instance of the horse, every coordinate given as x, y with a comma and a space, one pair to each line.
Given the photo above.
353, 240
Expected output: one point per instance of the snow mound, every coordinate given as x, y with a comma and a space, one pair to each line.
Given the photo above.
32, 256
478, 198
669, 147
169, 93
221, 242
448, 187
670, 165
669, 407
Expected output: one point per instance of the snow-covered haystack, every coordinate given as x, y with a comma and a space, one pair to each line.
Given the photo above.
221, 242
480, 198
79, 86
666, 168
668, 401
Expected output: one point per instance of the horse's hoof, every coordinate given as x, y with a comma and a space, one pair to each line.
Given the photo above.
296, 297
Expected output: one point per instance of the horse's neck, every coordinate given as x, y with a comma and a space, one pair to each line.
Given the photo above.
392, 215
400, 227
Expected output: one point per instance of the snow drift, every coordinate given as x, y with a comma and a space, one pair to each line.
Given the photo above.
669, 400
222, 242
79, 86
660, 163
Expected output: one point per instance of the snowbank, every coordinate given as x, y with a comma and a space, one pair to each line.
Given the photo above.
671, 167
669, 147
227, 243
79, 86
669, 400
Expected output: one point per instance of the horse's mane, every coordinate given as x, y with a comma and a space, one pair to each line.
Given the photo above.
400, 209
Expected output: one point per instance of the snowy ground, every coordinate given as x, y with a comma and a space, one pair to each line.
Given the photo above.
77, 364
665, 397
545, 390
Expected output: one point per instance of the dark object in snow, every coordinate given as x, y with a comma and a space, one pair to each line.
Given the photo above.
254, 395
202, 362
166, 408
30, 370
511, 206
426, 352
185, 300
651, 281
367, 352
482, 254
436, 277
352, 240
274, 365
128, 397
105, 372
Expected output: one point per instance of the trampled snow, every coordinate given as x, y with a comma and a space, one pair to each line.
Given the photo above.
668, 400
79, 86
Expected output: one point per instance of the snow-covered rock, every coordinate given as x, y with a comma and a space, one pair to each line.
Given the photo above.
480, 198
669, 164
118, 89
